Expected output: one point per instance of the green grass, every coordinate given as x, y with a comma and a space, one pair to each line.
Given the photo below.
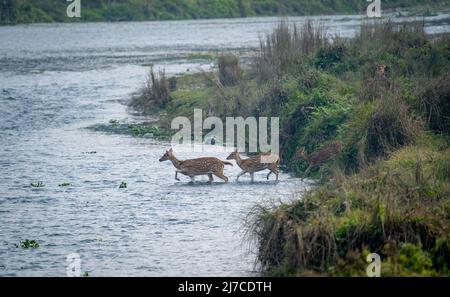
398, 208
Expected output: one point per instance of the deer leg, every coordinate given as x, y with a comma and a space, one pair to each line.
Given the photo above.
210, 176
252, 176
240, 174
306, 172
221, 176
269, 174
192, 180
176, 175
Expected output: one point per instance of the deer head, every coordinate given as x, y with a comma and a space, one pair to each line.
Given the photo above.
300, 154
167, 156
233, 155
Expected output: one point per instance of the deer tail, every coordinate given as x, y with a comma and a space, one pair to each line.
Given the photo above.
227, 163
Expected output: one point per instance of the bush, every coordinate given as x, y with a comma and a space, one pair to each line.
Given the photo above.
230, 73
435, 101
330, 56
397, 208
391, 126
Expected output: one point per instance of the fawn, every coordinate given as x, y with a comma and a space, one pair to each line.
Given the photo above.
194, 167
254, 164
328, 152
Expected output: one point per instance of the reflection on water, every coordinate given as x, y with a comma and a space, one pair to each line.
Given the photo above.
58, 79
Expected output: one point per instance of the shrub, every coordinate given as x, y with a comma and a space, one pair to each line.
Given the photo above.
435, 101
230, 73
391, 126
329, 56
386, 208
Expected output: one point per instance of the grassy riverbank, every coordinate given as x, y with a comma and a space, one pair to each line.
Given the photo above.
38, 11
385, 95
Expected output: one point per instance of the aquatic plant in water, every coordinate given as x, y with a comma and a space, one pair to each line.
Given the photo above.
27, 244
37, 184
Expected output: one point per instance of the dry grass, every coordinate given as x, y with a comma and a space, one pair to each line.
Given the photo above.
390, 37
435, 101
280, 50
230, 73
155, 94
391, 126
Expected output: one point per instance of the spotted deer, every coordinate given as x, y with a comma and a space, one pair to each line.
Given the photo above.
256, 163
200, 166
317, 158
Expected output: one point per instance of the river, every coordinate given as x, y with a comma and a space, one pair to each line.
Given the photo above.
57, 80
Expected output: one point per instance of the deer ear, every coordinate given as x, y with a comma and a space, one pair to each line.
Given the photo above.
170, 150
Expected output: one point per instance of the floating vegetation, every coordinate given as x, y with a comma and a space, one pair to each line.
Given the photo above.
86, 274
153, 131
114, 122
64, 185
28, 244
37, 184
89, 153
123, 185
147, 129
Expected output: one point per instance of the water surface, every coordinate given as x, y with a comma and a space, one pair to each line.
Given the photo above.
58, 79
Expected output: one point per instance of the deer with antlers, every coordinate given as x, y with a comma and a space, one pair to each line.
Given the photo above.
317, 158
201, 166
256, 163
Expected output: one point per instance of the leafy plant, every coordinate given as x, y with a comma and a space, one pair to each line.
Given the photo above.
27, 244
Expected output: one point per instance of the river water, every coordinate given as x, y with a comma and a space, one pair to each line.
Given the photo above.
56, 80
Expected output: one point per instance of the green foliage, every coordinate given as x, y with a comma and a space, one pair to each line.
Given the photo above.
64, 184
387, 208
331, 57
123, 185
28, 244
153, 131
28, 11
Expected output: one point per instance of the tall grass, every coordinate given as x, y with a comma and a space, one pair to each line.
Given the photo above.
280, 51
230, 73
435, 103
155, 94
389, 208
380, 93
